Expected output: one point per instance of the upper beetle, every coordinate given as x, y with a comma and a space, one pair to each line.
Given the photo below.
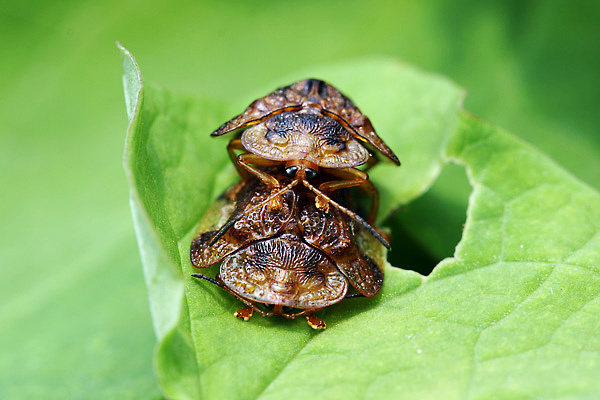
308, 127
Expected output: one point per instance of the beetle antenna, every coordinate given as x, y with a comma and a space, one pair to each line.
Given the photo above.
233, 220
349, 213
208, 278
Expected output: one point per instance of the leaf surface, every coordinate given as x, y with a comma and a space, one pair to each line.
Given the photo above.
514, 308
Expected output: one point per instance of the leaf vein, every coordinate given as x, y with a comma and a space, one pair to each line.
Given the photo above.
285, 365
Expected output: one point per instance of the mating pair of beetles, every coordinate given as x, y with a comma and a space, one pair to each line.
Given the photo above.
289, 242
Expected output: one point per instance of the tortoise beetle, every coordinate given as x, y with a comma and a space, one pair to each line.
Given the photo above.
306, 126
296, 257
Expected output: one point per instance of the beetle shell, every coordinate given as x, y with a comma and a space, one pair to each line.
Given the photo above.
316, 97
284, 271
296, 256
305, 135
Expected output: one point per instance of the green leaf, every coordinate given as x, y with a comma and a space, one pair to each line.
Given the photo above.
513, 314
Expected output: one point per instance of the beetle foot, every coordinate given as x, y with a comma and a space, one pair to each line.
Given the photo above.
315, 322
322, 204
244, 313
275, 204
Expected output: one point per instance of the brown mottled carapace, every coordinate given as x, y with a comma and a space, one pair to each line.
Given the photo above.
307, 127
295, 258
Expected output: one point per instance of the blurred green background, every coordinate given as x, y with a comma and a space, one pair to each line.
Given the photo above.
74, 319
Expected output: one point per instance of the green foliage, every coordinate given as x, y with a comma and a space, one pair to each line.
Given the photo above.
74, 315
513, 314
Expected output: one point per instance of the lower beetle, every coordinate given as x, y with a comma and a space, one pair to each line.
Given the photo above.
292, 260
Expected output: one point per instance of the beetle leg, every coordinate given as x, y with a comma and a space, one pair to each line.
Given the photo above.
293, 316
322, 204
236, 144
246, 160
315, 322
244, 313
351, 177
242, 163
